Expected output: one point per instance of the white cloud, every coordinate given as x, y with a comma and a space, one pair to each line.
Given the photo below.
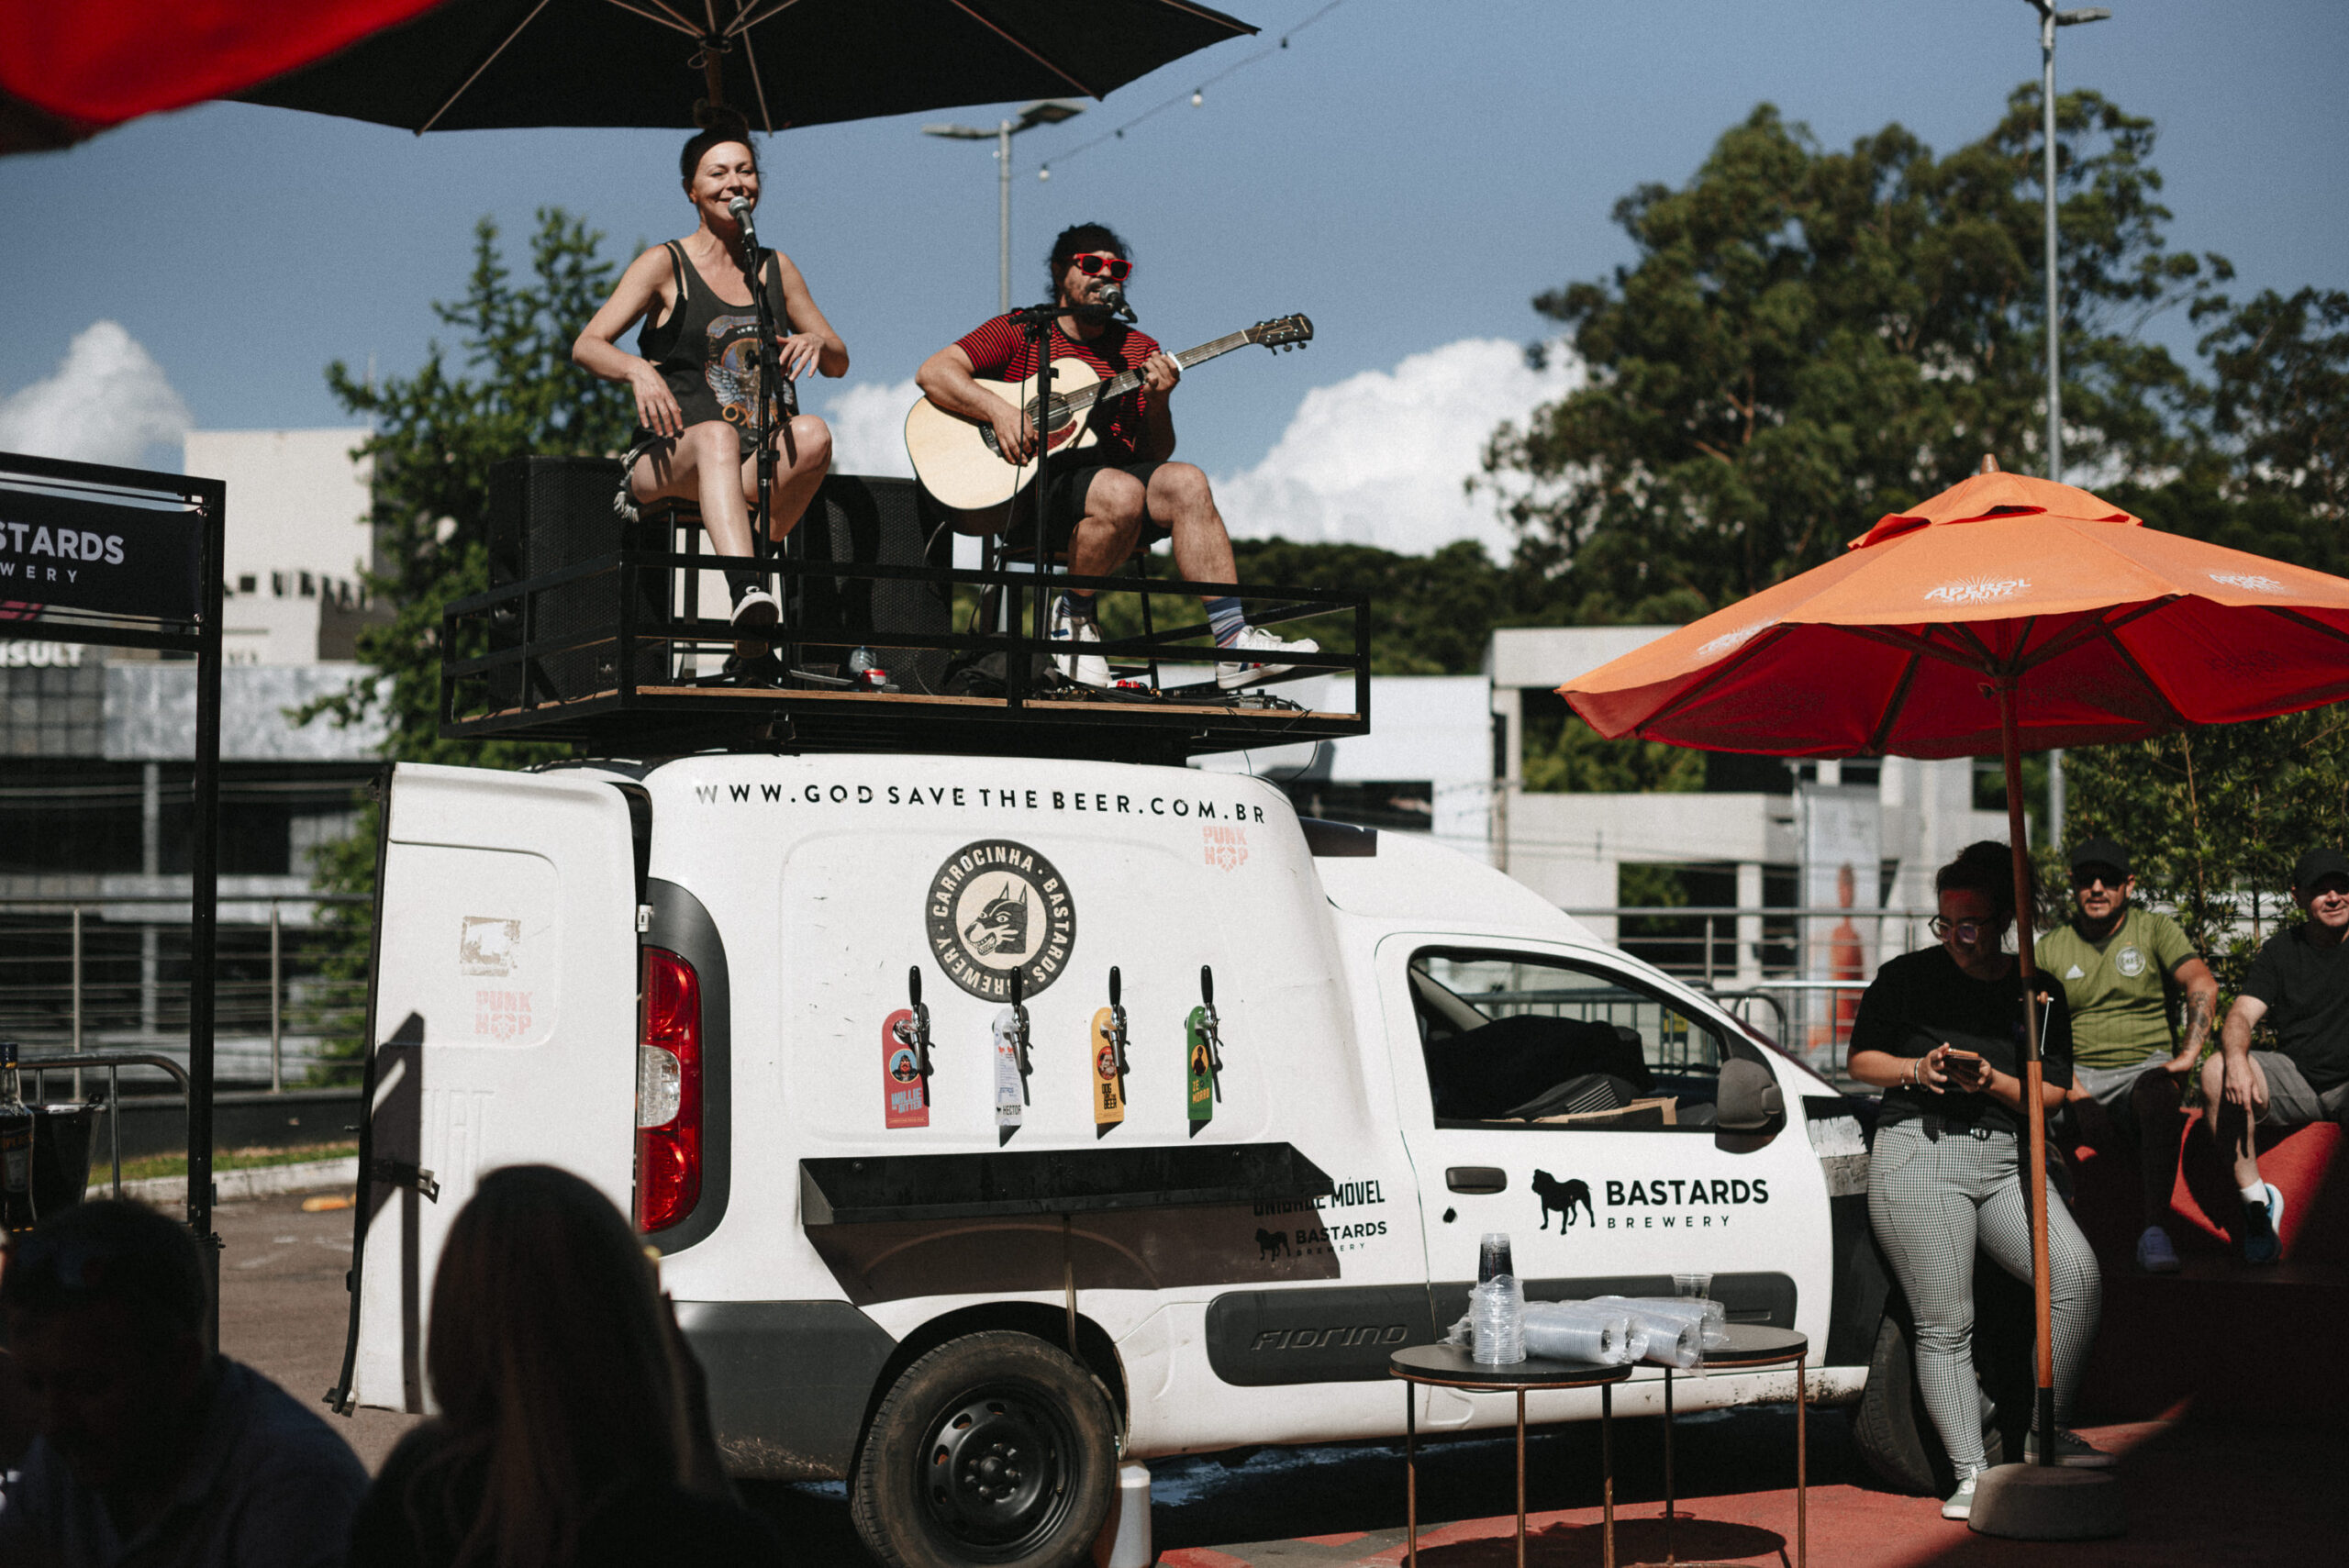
868, 423
1378, 458
109, 402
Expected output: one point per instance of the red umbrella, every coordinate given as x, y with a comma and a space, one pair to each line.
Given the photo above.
2004, 607
69, 69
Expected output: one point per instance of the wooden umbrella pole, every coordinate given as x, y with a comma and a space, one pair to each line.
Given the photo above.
2034, 1109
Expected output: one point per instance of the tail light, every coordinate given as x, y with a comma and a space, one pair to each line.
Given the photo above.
668, 1093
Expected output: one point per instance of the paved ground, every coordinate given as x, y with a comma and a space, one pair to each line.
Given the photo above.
283, 1309
2199, 1493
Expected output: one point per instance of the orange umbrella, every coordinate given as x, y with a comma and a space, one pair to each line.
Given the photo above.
2005, 606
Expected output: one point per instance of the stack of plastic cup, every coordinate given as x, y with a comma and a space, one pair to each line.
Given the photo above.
1496, 1307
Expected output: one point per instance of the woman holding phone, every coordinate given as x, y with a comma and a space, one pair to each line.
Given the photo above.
1941, 1031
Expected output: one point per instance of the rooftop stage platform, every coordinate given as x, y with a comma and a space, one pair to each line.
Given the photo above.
608, 651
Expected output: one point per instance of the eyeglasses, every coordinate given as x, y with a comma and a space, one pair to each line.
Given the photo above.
1968, 931
1093, 263
2083, 880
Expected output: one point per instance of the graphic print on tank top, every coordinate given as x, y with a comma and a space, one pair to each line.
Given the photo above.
733, 366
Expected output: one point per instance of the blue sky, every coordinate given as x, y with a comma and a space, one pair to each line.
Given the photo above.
1409, 175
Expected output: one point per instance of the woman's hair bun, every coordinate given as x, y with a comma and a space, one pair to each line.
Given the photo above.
722, 118
720, 124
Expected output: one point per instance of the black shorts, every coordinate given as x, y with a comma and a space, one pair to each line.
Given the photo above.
1069, 482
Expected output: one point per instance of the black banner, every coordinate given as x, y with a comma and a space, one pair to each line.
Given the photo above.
95, 555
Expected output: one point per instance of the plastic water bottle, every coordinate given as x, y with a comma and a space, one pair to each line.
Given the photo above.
1496, 1307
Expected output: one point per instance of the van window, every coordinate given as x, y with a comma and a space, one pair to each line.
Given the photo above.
1515, 1040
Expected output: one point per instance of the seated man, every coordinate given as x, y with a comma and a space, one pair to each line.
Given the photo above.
150, 1449
2118, 963
1104, 496
2299, 984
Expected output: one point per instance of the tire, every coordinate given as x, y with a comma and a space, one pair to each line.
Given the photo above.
1890, 1426
995, 1449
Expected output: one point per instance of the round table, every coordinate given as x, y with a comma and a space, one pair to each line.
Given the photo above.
1750, 1347
1449, 1366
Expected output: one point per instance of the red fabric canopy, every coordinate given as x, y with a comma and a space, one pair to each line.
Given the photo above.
99, 63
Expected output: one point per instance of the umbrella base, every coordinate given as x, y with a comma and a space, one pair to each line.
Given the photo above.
2046, 1502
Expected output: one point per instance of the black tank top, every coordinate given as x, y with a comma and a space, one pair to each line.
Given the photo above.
707, 349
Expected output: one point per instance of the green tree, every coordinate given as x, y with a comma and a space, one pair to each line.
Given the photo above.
435, 436
2214, 816
1808, 340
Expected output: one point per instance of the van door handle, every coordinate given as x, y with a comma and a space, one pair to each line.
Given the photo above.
1477, 1179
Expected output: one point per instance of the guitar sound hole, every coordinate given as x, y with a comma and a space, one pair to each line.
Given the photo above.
1059, 416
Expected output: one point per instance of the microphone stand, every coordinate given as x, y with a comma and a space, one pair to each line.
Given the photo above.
1036, 322
773, 388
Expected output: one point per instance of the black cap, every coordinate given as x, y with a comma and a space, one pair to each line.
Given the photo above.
2315, 865
2100, 853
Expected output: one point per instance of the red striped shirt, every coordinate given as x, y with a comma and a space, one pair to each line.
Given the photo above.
1000, 350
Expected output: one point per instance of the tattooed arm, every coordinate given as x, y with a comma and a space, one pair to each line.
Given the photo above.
2201, 988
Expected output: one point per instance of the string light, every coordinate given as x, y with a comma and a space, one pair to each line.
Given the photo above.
1198, 95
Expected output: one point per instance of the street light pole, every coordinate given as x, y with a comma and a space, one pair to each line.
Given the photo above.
1003, 217
2050, 19
1049, 111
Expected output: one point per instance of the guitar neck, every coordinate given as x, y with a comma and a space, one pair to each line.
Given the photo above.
1118, 385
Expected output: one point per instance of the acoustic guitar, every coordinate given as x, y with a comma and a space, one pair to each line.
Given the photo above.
961, 462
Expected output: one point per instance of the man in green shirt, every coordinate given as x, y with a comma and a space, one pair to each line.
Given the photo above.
2120, 965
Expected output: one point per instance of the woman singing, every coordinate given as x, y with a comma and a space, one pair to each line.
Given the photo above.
1941, 1031
695, 371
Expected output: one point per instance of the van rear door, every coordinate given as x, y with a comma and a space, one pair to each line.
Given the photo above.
504, 1020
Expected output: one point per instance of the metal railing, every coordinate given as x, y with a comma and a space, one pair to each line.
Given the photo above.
111, 973
1807, 964
112, 1063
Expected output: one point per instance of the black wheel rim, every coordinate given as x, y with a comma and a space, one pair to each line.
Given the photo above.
994, 1472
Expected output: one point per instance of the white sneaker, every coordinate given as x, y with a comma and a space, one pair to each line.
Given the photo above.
756, 610
1232, 674
1084, 669
1960, 1504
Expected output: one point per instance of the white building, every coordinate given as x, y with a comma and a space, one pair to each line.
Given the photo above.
299, 536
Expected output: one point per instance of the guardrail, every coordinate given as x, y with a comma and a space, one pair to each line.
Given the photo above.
112, 1062
84, 974
1808, 964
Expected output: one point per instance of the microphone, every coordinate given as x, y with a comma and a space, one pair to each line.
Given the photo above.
740, 207
1114, 298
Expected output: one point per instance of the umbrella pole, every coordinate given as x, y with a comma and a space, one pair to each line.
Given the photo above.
2033, 1108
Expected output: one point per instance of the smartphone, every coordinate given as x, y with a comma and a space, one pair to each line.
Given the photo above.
1966, 1068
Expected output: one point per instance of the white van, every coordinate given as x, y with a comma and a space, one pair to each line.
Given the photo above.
969, 1271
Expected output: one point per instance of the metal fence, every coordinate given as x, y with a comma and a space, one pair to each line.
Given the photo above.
1795, 974
111, 973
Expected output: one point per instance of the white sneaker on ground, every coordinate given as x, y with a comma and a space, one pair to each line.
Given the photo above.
1959, 1503
2155, 1252
1084, 669
1233, 673
2073, 1452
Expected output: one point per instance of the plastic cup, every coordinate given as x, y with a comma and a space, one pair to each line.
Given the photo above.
1493, 1257
1698, 1287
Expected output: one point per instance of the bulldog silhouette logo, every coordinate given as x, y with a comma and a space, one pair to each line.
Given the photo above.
996, 907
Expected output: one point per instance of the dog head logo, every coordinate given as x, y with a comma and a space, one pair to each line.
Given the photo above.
996, 907
1002, 925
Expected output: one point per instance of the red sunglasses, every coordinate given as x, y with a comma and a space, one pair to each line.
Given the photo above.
1093, 263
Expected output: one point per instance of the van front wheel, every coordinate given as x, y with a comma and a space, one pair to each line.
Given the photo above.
993, 1448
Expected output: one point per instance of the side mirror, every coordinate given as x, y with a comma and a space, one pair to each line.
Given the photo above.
1748, 1098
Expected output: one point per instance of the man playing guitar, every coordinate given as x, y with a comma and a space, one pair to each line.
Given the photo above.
1104, 496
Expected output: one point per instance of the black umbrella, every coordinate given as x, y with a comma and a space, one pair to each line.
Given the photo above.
490, 64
